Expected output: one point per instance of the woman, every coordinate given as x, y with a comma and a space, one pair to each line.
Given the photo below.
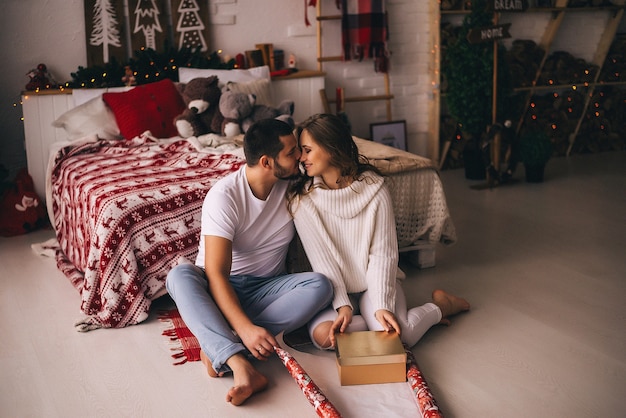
344, 217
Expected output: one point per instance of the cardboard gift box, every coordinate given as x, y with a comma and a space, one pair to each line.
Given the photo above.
368, 357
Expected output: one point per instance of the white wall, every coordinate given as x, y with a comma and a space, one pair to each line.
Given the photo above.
34, 32
53, 32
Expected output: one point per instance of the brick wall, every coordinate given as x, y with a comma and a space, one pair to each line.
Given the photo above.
239, 24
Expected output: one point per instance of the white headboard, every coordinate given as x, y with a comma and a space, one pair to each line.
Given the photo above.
43, 108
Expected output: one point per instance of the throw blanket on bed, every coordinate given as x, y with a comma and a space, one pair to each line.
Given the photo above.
365, 31
126, 212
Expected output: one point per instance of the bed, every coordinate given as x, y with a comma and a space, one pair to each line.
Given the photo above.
125, 211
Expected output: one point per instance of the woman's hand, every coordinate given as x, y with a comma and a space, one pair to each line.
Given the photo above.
388, 320
344, 317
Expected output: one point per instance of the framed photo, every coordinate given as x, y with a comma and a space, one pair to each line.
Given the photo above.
389, 133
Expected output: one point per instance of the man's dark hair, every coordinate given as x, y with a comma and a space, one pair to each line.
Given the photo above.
262, 138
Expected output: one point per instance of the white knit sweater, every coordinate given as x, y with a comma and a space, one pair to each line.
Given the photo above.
349, 235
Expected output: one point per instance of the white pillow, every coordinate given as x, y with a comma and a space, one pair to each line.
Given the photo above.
260, 88
90, 118
224, 76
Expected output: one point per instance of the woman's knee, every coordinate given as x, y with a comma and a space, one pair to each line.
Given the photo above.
321, 335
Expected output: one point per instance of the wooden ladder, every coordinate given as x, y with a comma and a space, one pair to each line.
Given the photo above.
321, 59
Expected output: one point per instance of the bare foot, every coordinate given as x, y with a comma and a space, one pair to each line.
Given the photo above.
449, 305
209, 367
248, 380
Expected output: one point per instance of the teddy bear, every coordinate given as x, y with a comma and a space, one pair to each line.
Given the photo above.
234, 107
240, 111
202, 115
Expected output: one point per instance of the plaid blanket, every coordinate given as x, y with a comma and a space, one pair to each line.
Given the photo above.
365, 31
183, 343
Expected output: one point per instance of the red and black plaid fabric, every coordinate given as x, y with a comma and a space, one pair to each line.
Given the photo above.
365, 31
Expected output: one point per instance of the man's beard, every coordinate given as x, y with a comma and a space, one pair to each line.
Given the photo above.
283, 173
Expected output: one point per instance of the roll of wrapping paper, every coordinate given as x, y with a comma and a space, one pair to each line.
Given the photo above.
425, 401
320, 402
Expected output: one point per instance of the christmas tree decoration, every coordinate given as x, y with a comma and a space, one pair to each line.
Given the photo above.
40, 79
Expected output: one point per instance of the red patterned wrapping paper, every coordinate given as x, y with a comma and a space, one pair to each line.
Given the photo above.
322, 405
425, 401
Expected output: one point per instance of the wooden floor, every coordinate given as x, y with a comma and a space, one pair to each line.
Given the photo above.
544, 266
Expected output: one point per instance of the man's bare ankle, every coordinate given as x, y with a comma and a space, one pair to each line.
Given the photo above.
209, 366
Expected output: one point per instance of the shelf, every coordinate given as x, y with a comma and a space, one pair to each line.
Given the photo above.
300, 74
542, 10
545, 41
47, 91
573, 86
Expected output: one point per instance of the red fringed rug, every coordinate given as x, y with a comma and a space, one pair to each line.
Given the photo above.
184, 344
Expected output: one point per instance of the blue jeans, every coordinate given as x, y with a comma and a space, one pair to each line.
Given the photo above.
282, 303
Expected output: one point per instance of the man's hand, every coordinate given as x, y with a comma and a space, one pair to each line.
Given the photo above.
259, 341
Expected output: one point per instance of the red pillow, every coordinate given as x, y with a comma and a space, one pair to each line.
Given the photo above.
150, 107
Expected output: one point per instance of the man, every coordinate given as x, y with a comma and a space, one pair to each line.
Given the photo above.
242, 298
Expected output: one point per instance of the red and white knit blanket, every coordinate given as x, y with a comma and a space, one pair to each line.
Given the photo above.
125, 212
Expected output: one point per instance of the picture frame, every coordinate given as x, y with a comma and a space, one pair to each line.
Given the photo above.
114, 29
391, 133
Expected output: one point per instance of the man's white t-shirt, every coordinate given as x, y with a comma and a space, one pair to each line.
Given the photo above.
260, 230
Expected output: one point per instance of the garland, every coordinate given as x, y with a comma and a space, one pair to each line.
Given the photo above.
147, 66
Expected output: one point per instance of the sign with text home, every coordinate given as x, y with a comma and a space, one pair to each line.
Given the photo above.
490, 33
